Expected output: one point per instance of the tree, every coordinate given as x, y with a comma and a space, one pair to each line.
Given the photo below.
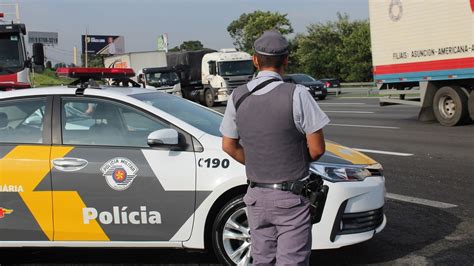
294, 65
336, 49
355, 54
93, 60
248, 27
188, 46
48, 65
317, 50
59, 65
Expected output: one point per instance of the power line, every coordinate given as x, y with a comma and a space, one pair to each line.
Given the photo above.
55, 50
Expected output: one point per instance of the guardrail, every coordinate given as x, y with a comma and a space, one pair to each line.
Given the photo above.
358, 84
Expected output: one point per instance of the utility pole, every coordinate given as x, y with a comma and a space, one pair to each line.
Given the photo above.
85, 45
74, 51
17, 11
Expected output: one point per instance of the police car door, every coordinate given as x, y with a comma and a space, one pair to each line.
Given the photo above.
110, 184
25, 184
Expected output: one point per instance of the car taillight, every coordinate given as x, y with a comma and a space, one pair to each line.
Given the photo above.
327, 84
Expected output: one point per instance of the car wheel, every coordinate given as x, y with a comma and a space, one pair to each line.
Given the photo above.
209, 98
231, 234
471, 105
450, 106
322, 97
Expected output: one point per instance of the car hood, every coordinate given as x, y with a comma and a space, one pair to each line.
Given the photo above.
335, 153
338, 154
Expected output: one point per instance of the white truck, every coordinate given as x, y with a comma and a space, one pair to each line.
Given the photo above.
140, 62
210, 76
423, 55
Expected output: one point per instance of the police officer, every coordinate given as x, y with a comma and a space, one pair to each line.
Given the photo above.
275, 129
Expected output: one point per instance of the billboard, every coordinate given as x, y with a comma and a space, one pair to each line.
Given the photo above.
103, 44
46, 38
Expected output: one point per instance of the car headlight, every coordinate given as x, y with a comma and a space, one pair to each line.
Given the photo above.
345, 173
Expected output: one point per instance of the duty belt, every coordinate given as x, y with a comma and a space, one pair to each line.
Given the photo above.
297, 187
312, 188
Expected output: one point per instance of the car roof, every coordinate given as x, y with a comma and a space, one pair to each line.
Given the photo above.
65, 90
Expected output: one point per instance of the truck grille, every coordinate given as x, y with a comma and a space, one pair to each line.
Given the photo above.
235, 83
353, 223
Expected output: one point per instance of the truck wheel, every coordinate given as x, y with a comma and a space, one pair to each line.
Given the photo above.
208, 98
231, 234
450, 106
471, 105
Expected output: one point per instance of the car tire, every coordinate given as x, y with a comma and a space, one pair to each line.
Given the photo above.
471, 105
208, 98
322, 97
450, 106
232, 221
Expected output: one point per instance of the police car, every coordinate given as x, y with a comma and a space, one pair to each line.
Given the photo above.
98, 166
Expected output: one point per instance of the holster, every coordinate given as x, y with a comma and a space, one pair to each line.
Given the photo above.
314, 189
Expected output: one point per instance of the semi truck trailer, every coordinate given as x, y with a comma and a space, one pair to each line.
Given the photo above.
423, 55
207, 76
139, 61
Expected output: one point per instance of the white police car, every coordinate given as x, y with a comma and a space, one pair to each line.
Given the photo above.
126, 167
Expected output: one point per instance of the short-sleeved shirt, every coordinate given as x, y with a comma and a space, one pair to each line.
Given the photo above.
307, 114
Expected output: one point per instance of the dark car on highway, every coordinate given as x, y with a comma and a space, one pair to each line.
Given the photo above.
332, 85
316, 87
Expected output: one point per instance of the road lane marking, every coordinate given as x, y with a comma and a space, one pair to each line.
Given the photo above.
341, 103
349, 112
431, 203
384, 152
364, 126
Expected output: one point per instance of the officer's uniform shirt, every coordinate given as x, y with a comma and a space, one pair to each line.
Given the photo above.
307, 114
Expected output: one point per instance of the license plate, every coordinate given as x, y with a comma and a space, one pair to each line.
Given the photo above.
318, 92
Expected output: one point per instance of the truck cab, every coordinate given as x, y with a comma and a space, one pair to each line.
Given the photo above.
14, 63
164, 79
222, 72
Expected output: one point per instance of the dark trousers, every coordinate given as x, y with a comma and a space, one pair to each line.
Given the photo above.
280, 227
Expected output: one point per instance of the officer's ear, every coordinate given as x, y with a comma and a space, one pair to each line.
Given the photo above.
285, 62
255, 61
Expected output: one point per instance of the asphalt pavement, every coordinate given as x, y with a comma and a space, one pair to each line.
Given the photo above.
429, 181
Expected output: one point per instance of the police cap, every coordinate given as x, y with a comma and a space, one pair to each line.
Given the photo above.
271, 43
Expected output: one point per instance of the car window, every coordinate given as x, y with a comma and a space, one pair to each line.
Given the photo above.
193, 114
21, 121
303, 78
107, 123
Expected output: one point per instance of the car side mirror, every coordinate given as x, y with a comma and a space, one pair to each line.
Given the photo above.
167, 137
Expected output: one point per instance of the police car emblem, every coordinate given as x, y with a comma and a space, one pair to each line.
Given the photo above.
119, 173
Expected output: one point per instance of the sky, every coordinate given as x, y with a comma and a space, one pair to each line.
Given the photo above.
142, 21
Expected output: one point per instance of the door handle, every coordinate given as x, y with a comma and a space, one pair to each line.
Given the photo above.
69, 164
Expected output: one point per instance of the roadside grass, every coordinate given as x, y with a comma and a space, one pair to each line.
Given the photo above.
48, 78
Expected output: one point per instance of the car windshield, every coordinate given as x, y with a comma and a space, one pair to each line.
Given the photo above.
187, 111
303, 78
236, 68
11, 53
162, 79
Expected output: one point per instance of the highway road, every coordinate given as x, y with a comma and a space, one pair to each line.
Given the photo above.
429, 180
